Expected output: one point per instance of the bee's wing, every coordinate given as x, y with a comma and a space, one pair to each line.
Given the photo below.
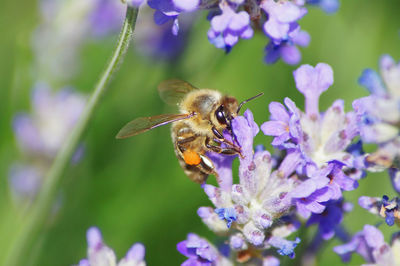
143, 124
173, 91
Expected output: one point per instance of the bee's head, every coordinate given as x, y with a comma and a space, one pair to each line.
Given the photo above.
226, 111
229, 109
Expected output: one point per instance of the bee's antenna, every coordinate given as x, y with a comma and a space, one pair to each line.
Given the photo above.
245, 101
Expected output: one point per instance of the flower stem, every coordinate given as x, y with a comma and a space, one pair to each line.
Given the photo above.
41, 208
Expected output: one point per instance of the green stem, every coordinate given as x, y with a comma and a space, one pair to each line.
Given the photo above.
42, 206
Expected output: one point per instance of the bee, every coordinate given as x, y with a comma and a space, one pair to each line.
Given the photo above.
203, 116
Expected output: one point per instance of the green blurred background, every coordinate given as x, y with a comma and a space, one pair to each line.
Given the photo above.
134, 189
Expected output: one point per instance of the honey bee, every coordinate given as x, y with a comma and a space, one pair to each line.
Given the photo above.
197, 129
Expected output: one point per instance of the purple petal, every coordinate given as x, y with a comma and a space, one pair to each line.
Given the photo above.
312, 82
186, 5
373, 236
371, 80
274, 128
290, 54
94, 238
302, 38
239, 21
278, 112
136, 252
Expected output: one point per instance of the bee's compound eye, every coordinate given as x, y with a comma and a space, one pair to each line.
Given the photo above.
191, 157
220, 114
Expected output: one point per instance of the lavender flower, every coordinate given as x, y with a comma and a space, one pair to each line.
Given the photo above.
63, 29
318, 138
25, 180
378, 114
317, 144
157, 42
100, 254
200, 252
383, 207
227, 27
370, 244
40, 135
53, 116
248, 211
283, 30
329, 6
329, 220
234, 19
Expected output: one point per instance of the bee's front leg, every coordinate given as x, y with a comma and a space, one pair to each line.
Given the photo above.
219, 149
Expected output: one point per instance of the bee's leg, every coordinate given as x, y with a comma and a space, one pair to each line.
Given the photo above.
221, 138
219, 149
180, 143
217, 134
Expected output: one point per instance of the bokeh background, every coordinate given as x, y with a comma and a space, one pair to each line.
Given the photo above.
134, 189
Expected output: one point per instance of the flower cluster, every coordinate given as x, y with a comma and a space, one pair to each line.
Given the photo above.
378, 117
248, 211
100, 254
317, 144
40, 134
383, 207
317, 162
370, 244
232, 20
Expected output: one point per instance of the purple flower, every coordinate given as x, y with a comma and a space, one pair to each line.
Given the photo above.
285, 247
287, 50
330, 218
233, 19
53, 116
106, 16
157, 42
40, 135
100, 254
394, 174
227, 27
257, 201
227, 214
284, 124
319, 137
186, 5
25, 181
311, 82
329, 6
369, 243
383, 207
199, 252
284, 31
136, 3
280, 17
378, 115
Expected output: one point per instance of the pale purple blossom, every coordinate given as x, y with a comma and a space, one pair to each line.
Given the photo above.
100, 254
329, 6
330, 219
320, 138
25, 180
370, 244
53, 116
378, 115
200, 252
232, 20
40, 135
383, 207
228, 27
250, 208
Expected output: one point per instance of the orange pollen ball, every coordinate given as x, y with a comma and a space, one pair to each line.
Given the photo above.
191, 157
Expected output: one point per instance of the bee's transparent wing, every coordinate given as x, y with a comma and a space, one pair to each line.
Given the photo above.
143, 124
173, 91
